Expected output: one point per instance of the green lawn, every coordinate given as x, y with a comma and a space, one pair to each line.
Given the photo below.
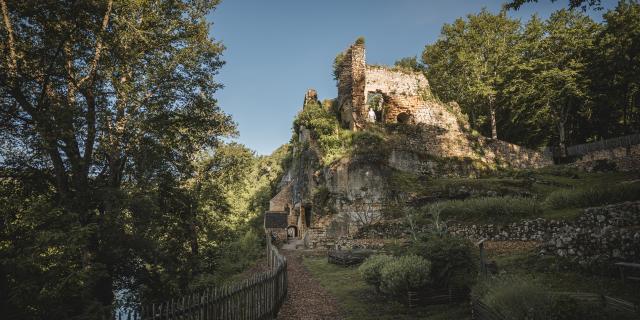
360, 301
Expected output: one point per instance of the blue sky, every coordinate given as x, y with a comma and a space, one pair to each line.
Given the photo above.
278, 49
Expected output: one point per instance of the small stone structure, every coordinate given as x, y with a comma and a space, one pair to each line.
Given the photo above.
275, 224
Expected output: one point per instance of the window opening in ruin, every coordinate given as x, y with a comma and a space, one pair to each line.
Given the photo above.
375, 103
307, 216
404, 117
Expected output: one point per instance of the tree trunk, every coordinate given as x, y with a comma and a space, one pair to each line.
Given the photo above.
492, 111
562, 143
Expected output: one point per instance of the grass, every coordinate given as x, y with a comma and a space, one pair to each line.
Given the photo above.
592, 196
558, 193
557, 275
491, 209
357, 300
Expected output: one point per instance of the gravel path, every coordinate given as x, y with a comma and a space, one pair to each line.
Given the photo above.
307, 299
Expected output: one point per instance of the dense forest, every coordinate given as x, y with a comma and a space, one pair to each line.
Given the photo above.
114, 176
117, 178
554, 82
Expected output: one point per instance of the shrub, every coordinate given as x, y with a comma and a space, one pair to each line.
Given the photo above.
317, 119
517, 298
370, 269
593, 196
454, 262
491, 209
403, 274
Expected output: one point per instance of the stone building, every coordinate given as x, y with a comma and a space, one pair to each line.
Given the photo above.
444, 146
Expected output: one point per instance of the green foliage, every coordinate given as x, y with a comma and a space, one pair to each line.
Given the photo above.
559, 81
409, 64
335, 146
573, 4
524, 298
403, 274
360, 41
454, 262
592, 196
111, 123
337, 65
317, 119
370, 269
491, 209
369, 142
515, 298
233, 257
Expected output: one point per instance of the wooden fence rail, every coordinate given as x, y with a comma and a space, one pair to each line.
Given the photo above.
481, 311
582, 149
256, 298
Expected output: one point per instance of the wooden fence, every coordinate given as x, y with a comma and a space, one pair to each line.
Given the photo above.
624, 141
582, 149
481, 311
259, 297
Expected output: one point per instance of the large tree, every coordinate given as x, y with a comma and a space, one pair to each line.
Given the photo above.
559, 83
615, 72
102, 98
469, 61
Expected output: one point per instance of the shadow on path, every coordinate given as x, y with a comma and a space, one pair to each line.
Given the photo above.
306, 299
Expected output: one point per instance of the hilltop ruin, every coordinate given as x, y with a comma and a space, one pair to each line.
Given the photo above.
424, 137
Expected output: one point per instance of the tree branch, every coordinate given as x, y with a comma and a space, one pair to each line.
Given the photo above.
98, 49
10, 41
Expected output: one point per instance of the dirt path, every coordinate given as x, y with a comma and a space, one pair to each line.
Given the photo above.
307, 299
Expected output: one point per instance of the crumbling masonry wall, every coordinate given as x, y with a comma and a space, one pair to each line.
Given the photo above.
407, 98
351, 81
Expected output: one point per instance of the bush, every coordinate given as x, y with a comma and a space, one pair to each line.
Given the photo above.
403, 274
454, 262
593, 196
517, 298
491, 209
370, 269
317, 119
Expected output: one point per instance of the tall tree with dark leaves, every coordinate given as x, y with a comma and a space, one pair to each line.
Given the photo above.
615, 72
104, 97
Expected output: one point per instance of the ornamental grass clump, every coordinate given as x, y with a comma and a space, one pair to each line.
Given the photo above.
404, 274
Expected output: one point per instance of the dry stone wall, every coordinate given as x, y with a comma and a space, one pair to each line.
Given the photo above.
599, 235
624, 158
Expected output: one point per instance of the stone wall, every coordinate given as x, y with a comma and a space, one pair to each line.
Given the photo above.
282, 200
402, 91
445, 131
351, 83
625, 159
599, 235
603, 233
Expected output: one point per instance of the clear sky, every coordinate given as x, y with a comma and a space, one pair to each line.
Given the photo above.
278, 49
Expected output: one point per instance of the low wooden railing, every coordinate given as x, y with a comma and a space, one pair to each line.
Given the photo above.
258, 297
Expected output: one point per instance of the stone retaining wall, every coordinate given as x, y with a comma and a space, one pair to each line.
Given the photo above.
601, 234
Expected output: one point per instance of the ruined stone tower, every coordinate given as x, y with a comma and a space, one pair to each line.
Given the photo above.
404, 93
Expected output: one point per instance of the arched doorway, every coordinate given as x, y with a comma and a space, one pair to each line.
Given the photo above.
404, 117
292, 231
